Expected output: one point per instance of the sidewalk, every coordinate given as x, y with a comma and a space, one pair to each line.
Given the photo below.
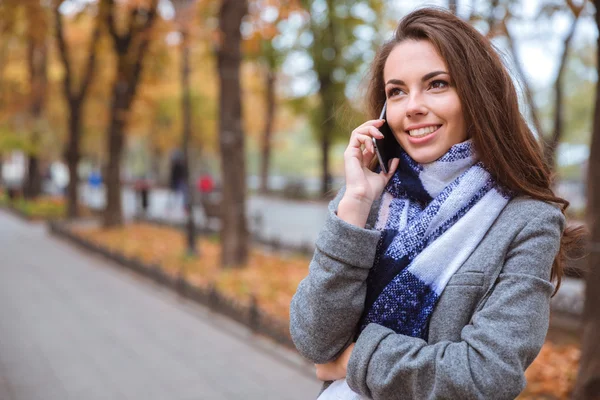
74, 327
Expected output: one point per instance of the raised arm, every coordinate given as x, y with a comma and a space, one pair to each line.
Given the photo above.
328, 303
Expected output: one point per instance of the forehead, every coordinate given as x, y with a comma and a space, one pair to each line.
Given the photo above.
412, 59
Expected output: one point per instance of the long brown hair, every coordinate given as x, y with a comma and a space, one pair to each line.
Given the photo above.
502, 139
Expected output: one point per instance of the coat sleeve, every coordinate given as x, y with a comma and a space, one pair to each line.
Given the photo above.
504, 336
328, 303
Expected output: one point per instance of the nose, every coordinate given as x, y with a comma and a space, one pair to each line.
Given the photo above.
415, 105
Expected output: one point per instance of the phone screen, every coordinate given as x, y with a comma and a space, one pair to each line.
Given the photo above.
388, 147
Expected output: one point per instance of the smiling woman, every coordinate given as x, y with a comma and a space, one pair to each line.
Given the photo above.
423, 107
433, 280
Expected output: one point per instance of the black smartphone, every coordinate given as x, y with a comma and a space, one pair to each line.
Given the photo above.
388, 147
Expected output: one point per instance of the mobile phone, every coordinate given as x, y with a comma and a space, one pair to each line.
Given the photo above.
386, 148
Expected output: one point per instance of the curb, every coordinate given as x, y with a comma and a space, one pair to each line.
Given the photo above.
250, 315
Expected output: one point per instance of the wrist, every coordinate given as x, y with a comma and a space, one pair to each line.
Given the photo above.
354, 210
358, 197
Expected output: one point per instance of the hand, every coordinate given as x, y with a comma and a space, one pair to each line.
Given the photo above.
335, 369
362, 184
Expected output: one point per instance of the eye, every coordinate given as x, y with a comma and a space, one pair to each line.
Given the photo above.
438, 84
394, 92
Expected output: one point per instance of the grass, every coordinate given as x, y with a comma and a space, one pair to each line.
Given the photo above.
42, 208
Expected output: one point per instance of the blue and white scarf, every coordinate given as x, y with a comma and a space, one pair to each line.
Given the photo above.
432, 217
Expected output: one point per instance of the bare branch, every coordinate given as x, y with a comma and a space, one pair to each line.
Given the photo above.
119, 42
91, 66
551, 143
143, 33
63, 51
523, 79
491, 20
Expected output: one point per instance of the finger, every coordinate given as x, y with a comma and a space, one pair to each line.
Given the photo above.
361, 139
372, 122
392, 166
367, 157
368, 130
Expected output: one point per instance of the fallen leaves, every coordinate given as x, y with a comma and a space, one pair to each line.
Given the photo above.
273, 279
552, 375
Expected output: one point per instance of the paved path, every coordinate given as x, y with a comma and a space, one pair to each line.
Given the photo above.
74, 327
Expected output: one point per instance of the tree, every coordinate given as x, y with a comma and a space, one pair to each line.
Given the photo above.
270, 58
185, 9
130, 50
234, 231
37, 60
588, 379
337, 54
75, 98
549, 141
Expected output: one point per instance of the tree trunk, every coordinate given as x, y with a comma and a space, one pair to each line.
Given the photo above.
73, 160
588, 380
75, 98
38, 62
551, 144
325, 146
186, 106
266, 144
34, 177
130, 48
327, 128
234, 231
113, 213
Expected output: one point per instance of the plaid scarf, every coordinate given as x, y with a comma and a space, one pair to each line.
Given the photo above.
432, 217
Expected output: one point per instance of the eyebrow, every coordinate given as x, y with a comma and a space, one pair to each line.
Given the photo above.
425, 78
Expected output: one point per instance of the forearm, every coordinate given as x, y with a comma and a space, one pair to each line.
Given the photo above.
328, 303
489, 361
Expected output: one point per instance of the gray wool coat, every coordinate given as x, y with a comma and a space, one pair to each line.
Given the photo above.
488, 325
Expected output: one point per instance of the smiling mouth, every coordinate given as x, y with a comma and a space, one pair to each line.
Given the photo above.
422, 132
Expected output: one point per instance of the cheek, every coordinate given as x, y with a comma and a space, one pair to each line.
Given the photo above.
393, 117
451, 110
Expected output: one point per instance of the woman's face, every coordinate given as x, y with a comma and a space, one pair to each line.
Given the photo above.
423, 108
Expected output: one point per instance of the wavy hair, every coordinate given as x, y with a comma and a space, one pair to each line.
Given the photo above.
501, 136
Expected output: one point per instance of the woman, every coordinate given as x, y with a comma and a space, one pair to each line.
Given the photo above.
434, 280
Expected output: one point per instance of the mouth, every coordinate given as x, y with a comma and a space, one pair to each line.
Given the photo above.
422, 132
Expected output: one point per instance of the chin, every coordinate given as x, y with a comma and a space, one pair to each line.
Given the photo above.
424, 156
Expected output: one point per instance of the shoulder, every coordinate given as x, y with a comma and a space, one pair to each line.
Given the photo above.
537, 228
533, 214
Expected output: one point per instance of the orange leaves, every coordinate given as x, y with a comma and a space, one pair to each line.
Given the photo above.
552, 374
272, 278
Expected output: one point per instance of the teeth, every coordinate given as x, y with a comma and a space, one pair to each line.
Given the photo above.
423, 131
